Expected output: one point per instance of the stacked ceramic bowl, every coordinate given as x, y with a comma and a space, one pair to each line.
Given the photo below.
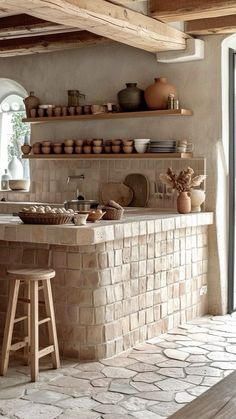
167, 146
141, 144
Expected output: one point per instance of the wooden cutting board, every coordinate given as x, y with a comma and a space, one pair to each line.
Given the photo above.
140, 187
117, 192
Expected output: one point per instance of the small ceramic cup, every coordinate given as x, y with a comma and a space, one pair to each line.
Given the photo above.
97, 149
116, 148
97, 143
64, 110
49, 112
87, 149
33, 113
41, 113
87, 109
79, 142
80, 219
57, 111
128, 149
78, 149
46, 150
57, 148
69, 143
107, 148
68, 150
79, 110
71, 110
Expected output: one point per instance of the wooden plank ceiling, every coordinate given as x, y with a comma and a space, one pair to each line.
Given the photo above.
34, 26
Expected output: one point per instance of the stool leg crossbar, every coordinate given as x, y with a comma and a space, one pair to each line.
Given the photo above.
30, 342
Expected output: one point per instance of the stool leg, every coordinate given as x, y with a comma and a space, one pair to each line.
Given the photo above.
11, 312
34, 330
27, 325
52, 324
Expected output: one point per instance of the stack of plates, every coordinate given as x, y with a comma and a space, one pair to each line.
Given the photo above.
167, 146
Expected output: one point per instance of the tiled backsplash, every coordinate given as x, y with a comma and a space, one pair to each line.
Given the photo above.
49, 178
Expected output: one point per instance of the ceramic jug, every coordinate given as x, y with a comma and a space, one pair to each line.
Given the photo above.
15, 168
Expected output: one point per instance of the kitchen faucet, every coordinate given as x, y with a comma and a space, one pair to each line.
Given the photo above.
75, 177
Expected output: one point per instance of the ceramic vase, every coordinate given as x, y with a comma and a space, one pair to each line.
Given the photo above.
131, 98
197, 198
183, 203
156, 95
31, 102
5, 180
15, 168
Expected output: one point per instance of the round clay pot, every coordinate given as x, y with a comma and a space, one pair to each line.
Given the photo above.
183, 203
26, 149
156, 95
97, 149
128, 149
107, 148
68, 149
197, 198
131, 98
79, 142
78, 149
46, 150
116, 148
87, 149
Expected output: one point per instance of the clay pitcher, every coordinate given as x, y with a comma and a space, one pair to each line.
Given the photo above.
183, 203
31, 102
156, 95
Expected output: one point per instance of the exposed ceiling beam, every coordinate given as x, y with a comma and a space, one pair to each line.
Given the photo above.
211, 26
105, 19
171, 11
24, 25
49, 43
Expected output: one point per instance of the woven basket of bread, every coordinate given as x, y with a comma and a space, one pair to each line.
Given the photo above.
112, 213
47, 218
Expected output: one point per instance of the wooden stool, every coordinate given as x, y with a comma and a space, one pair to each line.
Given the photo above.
30, 343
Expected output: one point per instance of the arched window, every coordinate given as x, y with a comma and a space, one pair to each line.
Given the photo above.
12, 131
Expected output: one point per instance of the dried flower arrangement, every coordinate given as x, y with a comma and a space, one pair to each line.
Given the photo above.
182, 181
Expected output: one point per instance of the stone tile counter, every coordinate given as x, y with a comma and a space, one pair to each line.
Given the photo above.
117, 283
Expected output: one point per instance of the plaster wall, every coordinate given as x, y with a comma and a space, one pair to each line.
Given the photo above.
100, 72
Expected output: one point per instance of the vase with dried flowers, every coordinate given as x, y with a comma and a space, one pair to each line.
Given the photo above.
183, 181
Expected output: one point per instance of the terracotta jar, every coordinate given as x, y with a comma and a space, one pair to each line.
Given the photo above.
31, 102
131, 98
156, 95
183, 203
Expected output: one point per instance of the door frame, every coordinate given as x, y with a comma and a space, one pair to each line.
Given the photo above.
232, 183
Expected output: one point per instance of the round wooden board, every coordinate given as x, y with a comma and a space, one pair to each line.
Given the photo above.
117, 192
139, 184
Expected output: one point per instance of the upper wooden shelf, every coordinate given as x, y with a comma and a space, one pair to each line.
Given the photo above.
117, 115
108, 156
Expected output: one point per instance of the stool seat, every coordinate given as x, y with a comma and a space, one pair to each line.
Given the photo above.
30, 279
38, 274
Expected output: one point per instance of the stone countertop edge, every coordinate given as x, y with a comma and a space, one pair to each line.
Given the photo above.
12, 229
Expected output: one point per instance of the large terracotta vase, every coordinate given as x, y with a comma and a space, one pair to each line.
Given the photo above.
183, 203
156, 95
31, 102
131, 98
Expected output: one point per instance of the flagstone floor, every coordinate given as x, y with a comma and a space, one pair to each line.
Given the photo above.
152, 381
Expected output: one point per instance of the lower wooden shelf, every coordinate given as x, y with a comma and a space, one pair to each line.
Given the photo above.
108, 156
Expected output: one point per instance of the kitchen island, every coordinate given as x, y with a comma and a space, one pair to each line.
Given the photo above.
118, 283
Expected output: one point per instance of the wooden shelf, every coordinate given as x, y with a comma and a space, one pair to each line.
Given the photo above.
140, 114
108, 156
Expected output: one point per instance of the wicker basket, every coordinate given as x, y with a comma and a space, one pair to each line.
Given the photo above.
113, 213
44, 218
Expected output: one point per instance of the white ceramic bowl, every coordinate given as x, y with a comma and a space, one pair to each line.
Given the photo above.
141, 140
19, 184
140, 148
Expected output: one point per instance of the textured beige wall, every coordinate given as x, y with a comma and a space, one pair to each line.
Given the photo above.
100, 72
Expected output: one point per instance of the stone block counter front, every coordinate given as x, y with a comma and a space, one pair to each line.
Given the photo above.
117, 283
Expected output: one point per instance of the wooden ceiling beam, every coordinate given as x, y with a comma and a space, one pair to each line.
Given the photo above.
49, 43
24, 25
211, 26
183, 10
105, 19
